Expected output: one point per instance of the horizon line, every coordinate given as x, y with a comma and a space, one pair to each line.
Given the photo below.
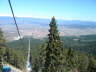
58, 18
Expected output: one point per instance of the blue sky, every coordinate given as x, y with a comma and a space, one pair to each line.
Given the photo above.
63, 9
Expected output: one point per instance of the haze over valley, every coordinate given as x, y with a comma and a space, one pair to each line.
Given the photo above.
38, 27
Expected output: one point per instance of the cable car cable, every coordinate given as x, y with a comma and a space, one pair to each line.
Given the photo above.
15, 22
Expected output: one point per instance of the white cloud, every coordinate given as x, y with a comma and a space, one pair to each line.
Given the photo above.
5, 15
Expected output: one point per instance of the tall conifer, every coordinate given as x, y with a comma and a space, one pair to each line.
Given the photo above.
53, 59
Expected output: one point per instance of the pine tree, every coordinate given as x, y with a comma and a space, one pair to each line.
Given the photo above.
69, 59
1, 47
8, 55
1, 58
92, 64
1, 36
53, 59
36, 66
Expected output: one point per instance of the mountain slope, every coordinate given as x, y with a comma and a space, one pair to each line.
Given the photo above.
86, 44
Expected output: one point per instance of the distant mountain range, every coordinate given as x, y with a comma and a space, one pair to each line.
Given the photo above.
38, 27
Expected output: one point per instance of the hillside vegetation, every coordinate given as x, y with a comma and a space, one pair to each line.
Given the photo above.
52, 54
